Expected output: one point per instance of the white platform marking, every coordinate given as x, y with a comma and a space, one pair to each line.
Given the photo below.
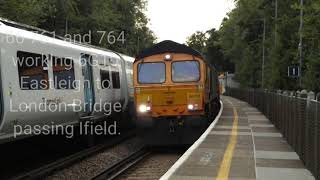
266, 173
230, 127
262, 125
257, 134
228, 133
277, 155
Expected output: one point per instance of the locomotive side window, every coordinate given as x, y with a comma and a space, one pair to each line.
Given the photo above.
185, 71
63, 73
209, 79
115, 79
33, 71
105, 78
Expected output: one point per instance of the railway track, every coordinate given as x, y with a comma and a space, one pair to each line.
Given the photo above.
46, 170
117, 169
143, 164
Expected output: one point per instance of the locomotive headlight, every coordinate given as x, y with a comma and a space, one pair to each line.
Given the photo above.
190, 107
144, 108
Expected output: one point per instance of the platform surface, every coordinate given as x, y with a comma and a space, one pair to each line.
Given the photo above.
240, 145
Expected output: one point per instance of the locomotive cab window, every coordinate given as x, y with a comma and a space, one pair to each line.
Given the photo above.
185, 71
151, 73
63, 73
33, 71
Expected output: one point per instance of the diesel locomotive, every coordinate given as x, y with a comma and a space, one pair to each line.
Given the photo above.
176, 93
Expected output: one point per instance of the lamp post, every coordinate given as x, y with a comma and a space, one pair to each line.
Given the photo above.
275, 24
300, 43
263, 52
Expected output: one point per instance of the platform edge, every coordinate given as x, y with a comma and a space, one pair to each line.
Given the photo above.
186, 155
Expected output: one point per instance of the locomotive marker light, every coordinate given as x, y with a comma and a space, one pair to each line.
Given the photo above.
168, 57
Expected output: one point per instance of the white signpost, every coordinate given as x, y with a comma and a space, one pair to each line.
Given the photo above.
293, 71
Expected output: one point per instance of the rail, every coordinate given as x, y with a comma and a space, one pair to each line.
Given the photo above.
43, 171
117, 169
296, 115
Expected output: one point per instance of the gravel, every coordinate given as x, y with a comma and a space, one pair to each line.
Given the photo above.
95, 164
152, 167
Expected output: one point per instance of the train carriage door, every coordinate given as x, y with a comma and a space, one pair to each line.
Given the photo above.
124, 83
116, 79
86, 62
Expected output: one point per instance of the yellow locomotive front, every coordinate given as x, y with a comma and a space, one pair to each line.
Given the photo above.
172, 93
169, 85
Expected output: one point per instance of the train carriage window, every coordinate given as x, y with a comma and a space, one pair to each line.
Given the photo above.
115, 79
105, 78
63, 73
33, 71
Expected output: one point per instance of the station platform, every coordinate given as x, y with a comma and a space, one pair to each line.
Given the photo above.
241, 144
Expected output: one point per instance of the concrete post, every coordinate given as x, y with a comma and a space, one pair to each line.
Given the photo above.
292, 94
311, 96
304, 94
318, 97
318, 126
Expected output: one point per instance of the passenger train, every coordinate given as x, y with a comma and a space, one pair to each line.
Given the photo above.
40, 73
176, 93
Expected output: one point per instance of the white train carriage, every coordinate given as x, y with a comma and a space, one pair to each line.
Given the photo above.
47, 81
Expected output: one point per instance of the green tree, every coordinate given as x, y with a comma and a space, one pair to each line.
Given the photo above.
208, 43
213, 52
123, 20
31, 12
241, 38
197, 41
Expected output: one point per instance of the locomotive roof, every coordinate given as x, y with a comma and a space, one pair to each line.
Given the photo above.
168, 47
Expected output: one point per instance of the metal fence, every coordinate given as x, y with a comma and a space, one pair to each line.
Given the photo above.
295, 114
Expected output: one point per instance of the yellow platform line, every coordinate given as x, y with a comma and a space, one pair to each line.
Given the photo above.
223, 173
